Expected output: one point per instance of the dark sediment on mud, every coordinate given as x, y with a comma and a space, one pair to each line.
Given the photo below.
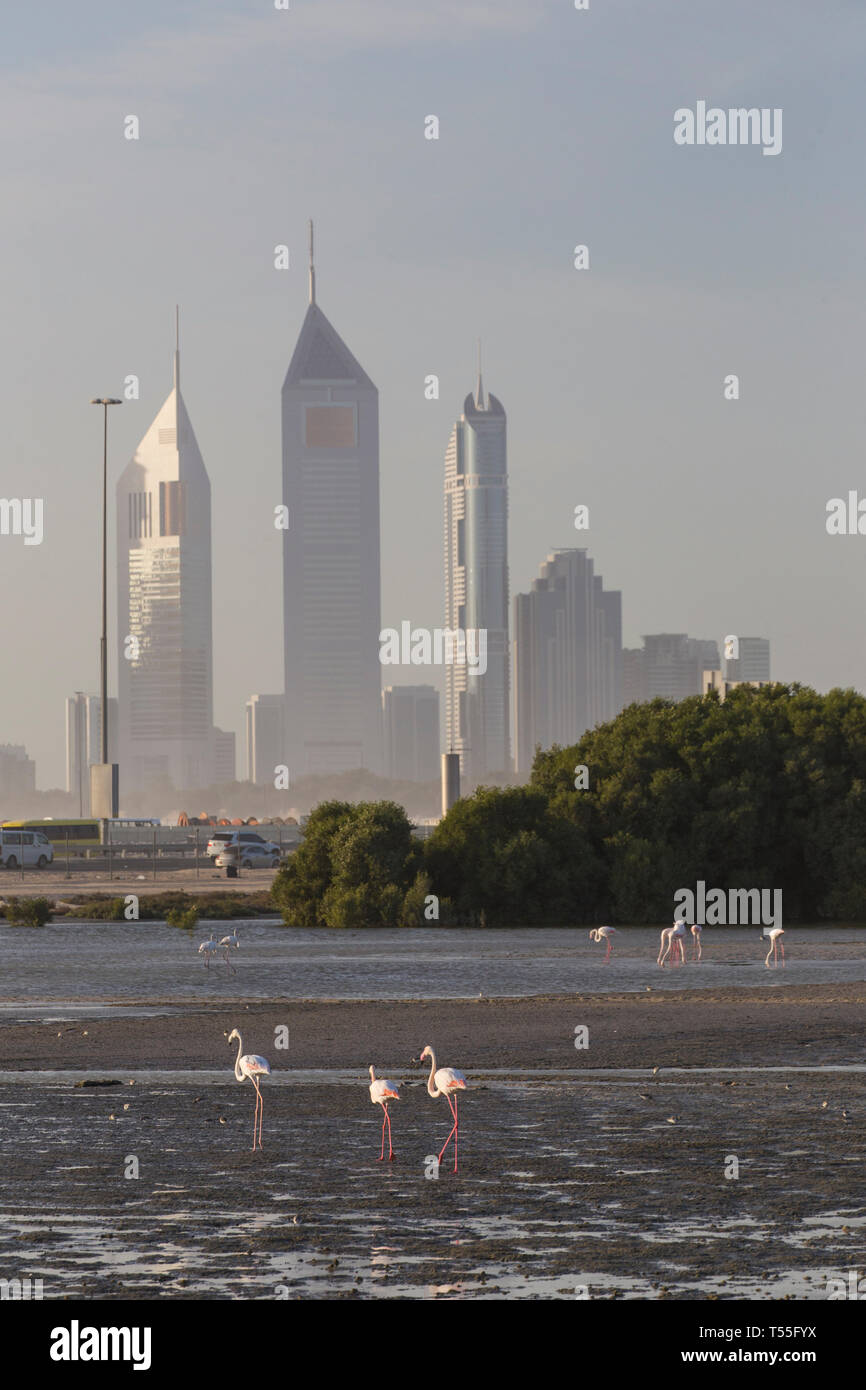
781, 1025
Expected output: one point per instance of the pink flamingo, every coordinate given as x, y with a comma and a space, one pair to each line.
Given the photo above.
253, 1067
672, 942
208, 949
227, 943
380, 1093
696, 939
443, 1082
604, 934
774, 934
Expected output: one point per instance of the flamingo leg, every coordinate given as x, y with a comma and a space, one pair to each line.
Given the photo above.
259, 1113
782, 949
453, 1128
607, 957
384, 1118
390, 1146
456, 1127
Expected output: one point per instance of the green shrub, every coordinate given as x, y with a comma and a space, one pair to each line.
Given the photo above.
185, 917
28, 912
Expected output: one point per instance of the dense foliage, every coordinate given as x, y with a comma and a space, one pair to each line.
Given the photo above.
27, 912
357, 866
765, 790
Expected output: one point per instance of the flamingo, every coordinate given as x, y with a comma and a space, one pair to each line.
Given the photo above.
227, 943
442, 1082
380, 1093
696, 939
253, 1067
774, 934
208, 949
604, 934
672, 942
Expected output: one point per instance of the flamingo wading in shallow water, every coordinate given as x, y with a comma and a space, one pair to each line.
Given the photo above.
253, 1067
207, 949
604, 934
672, 943
777, 945
380, 1093
226, 945
443, 1082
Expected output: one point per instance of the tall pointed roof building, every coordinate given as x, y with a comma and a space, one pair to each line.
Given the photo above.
331, 578
477, 704
165, 659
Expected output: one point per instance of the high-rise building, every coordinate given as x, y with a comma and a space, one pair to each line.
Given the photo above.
266, 738
84, 742
331, 583
567, 655
411, 732
477, 704
165, 660
670, 665
17, 776
753, 662
224, 755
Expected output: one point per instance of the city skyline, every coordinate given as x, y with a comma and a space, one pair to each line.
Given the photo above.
708, 514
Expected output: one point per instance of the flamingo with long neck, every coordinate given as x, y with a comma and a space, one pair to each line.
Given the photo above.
442, 1081
381, 1092
604, 934
251, 1066
777, 945
227, 943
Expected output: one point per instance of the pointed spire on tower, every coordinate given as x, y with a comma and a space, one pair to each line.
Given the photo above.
312, 268
479, 389
176, 347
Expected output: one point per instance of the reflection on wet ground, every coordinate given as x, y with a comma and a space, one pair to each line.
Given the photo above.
593, 1187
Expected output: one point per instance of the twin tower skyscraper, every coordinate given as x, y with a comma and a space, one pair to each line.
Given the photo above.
331, 712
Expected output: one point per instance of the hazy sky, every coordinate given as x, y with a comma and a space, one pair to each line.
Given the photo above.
556, 128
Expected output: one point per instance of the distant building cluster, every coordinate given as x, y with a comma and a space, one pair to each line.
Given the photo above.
553, 660
17, 773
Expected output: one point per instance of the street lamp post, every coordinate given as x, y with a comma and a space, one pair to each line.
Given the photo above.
109, 792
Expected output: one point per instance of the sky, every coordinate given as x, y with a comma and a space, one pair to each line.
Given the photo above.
556, 129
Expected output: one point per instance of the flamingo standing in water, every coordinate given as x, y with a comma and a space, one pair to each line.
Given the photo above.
227, 943
380, 1093
696, 939
604, 934
208, 949
672, 942
442, 1082
774, 934
253, 1067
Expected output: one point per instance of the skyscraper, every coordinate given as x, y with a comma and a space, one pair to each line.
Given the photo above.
753, 662
331, 584
165, 660
84, 743
670, 665
411, 732
476, 585
266, 737
567, 655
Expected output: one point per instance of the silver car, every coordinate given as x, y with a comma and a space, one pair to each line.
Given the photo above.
248, 856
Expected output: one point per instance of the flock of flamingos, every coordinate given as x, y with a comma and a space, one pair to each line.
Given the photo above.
673, 943
443, 1081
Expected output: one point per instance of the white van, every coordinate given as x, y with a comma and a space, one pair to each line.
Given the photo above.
28, 847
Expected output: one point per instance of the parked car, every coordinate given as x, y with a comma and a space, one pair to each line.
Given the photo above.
28, 847
248, 856
222, 838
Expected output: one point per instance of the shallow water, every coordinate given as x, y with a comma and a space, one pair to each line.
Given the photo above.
69, 961
564, 1191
